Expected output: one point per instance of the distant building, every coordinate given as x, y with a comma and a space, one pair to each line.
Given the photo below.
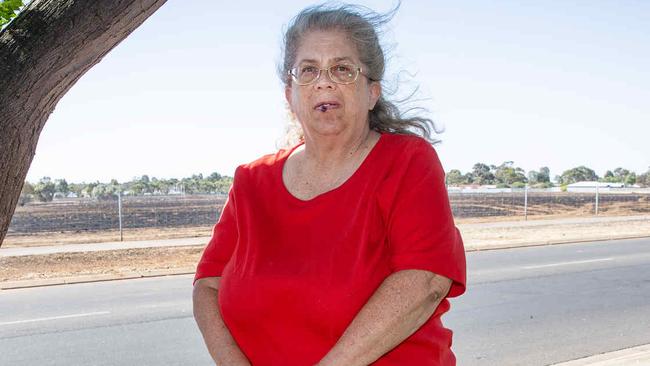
476, 188
61, 195
590, 187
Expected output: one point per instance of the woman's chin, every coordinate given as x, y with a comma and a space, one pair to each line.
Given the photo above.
327, 126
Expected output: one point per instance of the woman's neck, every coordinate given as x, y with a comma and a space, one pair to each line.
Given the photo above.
335, 151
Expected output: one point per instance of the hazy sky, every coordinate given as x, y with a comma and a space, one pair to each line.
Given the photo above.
195, 90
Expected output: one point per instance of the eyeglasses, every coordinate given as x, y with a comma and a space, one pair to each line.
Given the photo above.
338, 73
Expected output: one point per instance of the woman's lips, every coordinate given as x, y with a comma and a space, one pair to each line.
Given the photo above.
326, 106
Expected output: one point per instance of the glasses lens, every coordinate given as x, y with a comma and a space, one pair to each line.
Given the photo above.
305, 74
344, 73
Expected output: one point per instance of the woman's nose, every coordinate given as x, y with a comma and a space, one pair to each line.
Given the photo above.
324, 81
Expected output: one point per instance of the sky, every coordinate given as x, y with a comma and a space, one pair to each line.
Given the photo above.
195, 89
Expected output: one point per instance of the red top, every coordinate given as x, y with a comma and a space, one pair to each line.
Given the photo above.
295, 273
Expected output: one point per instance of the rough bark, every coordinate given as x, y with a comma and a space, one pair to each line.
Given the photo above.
43, 52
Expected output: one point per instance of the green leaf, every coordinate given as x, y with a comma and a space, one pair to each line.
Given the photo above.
9, 9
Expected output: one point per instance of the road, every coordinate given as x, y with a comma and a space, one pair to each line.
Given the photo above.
525, 306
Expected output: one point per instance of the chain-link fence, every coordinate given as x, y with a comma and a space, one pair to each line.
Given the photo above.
175, 211
88, 214
524, 203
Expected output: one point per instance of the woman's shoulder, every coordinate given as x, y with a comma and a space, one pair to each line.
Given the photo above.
264, 164
410, 155
408, 143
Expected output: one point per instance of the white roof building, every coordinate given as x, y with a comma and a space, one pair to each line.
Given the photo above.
591, 186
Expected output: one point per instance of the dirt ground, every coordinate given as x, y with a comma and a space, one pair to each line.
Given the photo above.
477, 235
115, 262
487, 235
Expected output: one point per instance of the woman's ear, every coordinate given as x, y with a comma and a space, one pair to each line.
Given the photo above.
375, 93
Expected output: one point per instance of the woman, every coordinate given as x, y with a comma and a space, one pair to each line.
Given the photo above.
341, 250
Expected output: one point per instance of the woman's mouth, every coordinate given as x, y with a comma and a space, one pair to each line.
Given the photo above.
326, 106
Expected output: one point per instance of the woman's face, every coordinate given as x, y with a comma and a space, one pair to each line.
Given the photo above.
325, 108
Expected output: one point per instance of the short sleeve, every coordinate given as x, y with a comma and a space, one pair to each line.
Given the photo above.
421, 229
222, 243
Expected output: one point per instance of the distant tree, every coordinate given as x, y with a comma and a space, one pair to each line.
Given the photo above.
104, 191
469, 177
506, 174
157, 186
482, 174
579, 174
223, 185
115, 187
644, 179
454, 178
26, 194
143, 185
214, 177
89, 189
137, 188
190, 185
544, 175
28, 188
620, 175
541, 178
77, 188
44, 190
61, 185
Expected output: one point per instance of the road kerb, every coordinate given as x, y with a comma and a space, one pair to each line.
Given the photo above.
635, 356
477, 248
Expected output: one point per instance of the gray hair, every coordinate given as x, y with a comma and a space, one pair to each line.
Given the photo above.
362, 27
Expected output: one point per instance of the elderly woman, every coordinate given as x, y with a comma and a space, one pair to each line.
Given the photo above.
342, 249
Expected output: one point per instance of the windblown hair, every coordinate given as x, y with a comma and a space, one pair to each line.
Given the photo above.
362, 26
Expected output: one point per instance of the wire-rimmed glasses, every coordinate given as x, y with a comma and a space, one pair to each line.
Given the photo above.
341, 73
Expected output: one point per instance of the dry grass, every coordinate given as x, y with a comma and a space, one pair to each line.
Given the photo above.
41, 239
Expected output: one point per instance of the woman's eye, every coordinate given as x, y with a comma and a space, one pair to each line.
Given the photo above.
343, 69
308, 70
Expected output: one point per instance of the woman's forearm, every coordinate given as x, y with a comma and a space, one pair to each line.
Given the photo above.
220, 343
402, 303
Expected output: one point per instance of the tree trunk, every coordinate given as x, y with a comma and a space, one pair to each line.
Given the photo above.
43, 52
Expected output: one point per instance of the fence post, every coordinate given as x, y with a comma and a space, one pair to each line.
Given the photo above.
526, 202
597, 198
119, 212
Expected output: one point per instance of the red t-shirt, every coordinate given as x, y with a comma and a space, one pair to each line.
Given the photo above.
295, 273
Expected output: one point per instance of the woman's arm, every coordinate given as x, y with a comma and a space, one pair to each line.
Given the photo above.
221, 345
404, 301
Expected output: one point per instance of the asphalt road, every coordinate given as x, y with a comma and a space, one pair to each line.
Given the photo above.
542, 305
526, 306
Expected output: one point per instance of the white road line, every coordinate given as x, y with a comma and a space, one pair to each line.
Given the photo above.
568, 263
55, 318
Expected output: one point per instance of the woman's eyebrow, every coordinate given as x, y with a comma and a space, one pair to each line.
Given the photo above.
345, 58
307, 61
335, 59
